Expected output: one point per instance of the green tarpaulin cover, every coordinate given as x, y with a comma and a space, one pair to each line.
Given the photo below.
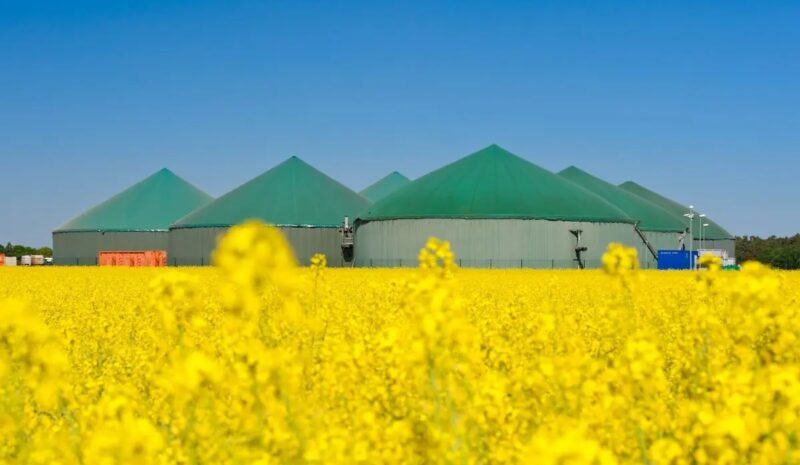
494, 183
384, 186
650, 216
292, 193
150, 205
712, 232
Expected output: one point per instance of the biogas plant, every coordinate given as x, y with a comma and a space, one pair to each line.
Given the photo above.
498, 210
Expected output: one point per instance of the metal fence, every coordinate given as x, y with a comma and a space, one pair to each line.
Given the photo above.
336, 262
489, 263
75, 261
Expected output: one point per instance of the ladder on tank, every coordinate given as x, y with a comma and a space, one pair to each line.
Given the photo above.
646, 242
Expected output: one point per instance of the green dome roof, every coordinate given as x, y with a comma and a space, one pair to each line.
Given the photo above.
494, 183
650, 216
712, 232
150, 205
384, 186
291, 194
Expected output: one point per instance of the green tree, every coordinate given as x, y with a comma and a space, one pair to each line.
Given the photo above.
18, 250
46, 251
779, 252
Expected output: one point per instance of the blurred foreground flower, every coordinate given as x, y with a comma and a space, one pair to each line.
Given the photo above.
620, 260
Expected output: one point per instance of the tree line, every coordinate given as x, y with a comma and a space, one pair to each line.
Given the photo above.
779, 252
17, 250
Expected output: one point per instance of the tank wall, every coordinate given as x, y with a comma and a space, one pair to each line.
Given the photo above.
309, 241
193, 246
82, 248
659, 241
489, 243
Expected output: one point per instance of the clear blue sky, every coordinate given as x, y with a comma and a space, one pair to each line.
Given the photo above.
697, 100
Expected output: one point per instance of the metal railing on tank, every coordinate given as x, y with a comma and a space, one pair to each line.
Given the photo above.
488, 263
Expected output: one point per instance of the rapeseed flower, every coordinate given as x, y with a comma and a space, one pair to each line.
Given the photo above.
258, 360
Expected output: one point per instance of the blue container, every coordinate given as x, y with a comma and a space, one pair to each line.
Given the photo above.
676, 259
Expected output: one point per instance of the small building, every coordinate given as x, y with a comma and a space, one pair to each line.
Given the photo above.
384, 186
307, 205
136, 219
498, 211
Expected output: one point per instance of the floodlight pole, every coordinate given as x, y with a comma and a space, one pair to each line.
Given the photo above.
691, 228
700, 219
702, 234
690, 215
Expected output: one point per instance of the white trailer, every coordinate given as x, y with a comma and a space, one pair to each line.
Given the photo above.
722, 254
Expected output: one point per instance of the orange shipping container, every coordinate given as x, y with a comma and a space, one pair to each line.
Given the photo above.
133, 258
2, 259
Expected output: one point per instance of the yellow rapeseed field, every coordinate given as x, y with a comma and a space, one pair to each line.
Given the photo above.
258, 361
